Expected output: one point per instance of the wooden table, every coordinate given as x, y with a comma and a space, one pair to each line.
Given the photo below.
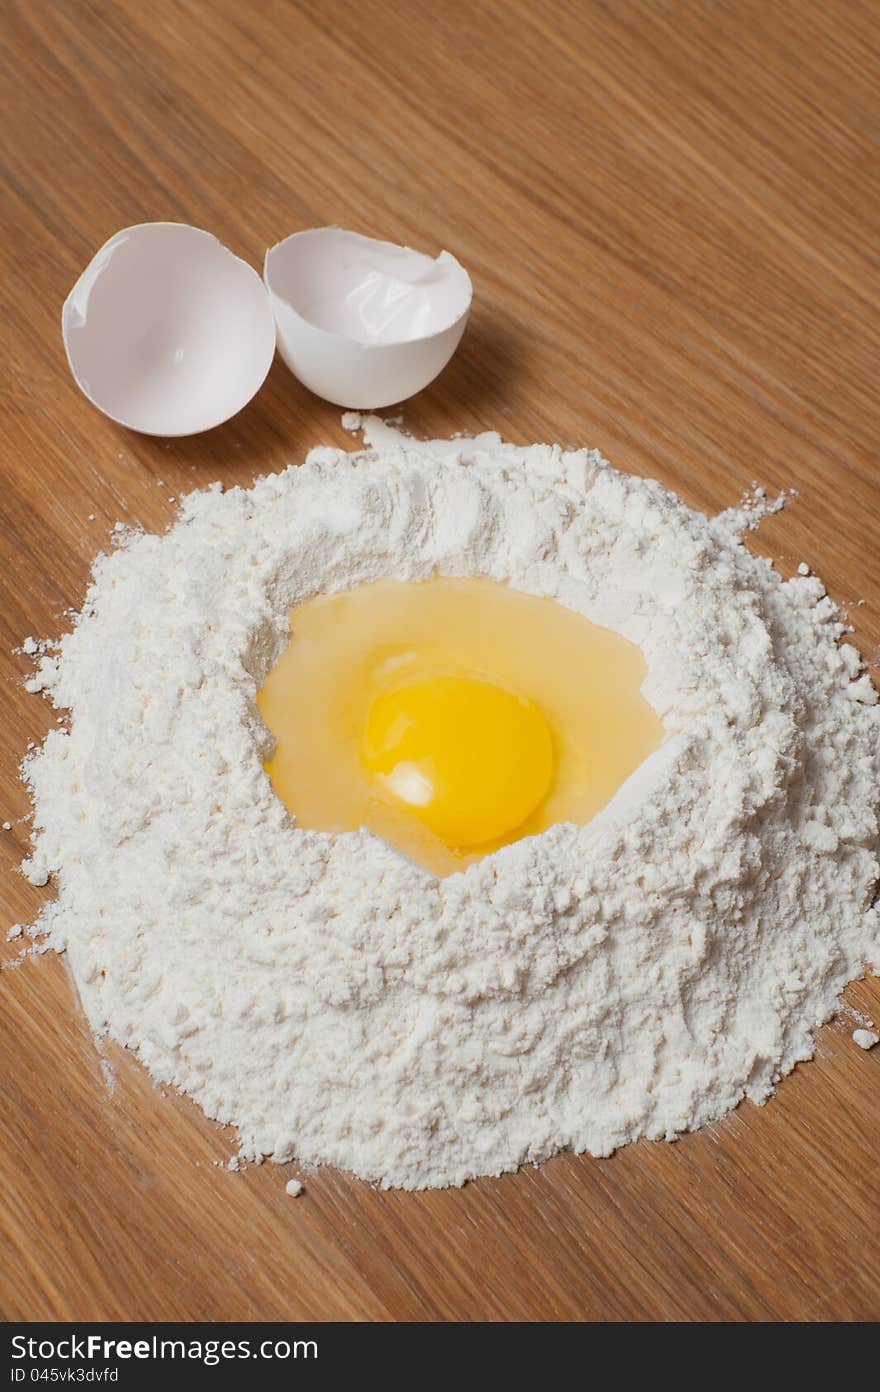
670, 211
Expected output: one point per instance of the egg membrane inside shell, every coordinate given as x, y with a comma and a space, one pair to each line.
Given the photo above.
366, 290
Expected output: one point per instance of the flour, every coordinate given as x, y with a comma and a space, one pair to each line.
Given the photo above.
634, 977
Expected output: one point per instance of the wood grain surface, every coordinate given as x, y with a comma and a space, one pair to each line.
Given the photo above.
670, 211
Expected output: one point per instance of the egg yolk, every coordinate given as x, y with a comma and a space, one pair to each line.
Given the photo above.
471, 758
451, 716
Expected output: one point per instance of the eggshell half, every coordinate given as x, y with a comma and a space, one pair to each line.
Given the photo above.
364, 323
166, 331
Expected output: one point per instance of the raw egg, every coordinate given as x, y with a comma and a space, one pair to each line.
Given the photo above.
452, 716
470, 757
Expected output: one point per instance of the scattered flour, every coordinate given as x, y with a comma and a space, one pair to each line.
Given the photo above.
634, 977
866, 1039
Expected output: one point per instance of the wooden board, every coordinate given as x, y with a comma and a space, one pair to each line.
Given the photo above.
671, 215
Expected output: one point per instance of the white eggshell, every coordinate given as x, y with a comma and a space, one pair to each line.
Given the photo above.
166, 331
364, 323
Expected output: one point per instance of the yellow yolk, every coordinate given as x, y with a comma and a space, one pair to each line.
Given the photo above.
470, 758
451, 716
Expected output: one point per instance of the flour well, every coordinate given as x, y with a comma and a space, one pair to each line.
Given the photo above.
634, 977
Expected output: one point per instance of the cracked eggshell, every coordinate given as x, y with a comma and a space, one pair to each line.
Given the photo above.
364, 323
166, 331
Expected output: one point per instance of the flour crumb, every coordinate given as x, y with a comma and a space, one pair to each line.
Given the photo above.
35, 870
108, 1072
15, 932
858, 1015
30, 646
294, 1188
234, 1164
7, 826
866, 1039
803, 568
352, 421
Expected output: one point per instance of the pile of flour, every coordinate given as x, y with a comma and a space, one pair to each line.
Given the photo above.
332, 1001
